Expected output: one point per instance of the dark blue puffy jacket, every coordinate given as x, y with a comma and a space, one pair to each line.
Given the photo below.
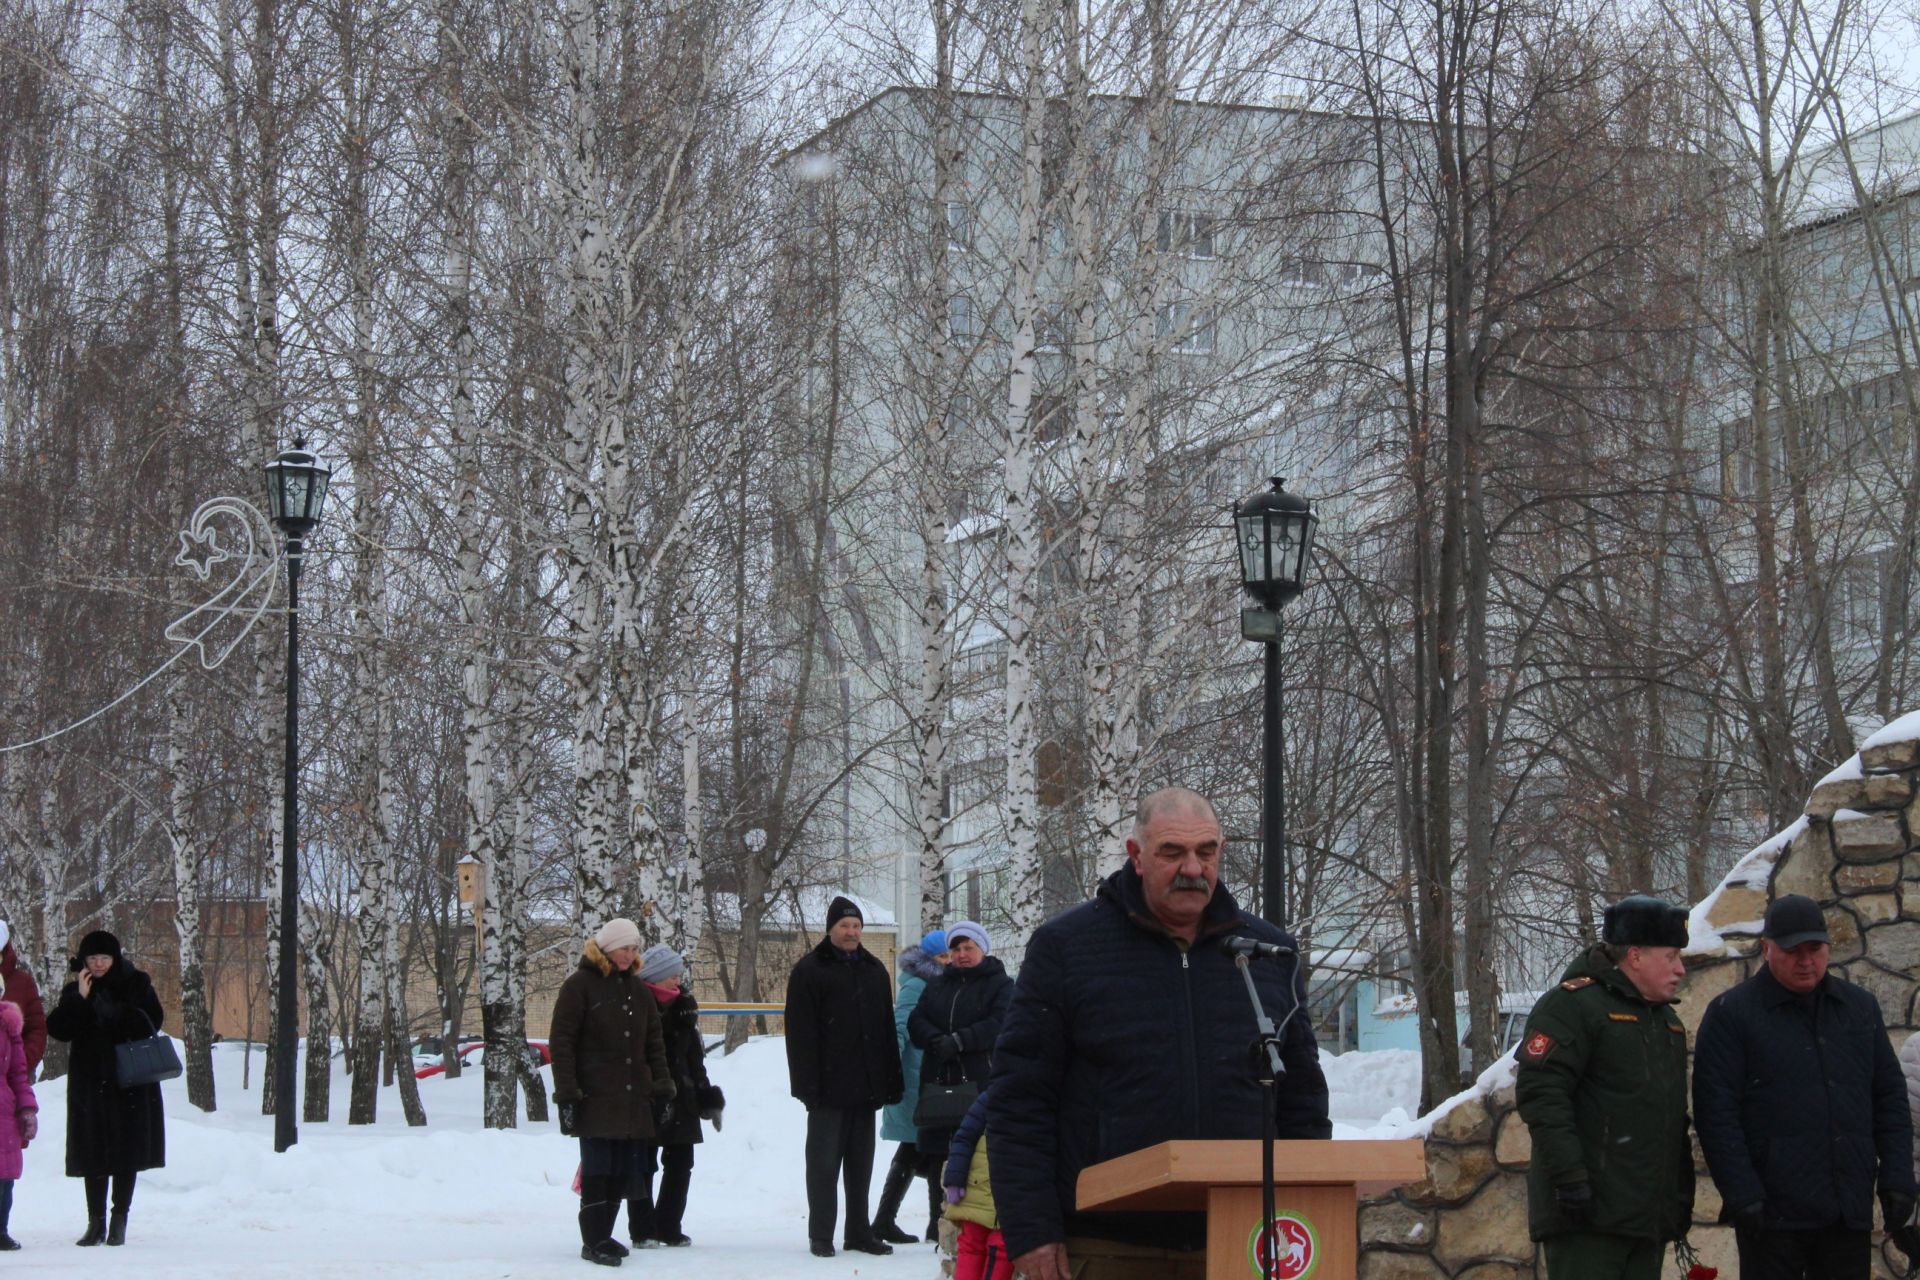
1800, 1103
1120, 1037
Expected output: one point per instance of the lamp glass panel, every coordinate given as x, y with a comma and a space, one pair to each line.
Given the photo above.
1253, 544
297, 483
317, 493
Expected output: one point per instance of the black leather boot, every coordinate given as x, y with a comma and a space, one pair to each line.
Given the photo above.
96, 1232
117, 1229
936, 1207
892, 1192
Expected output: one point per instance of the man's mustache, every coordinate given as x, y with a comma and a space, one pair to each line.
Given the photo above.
1192, 882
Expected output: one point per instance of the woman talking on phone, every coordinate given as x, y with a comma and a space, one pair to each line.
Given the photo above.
112, 1133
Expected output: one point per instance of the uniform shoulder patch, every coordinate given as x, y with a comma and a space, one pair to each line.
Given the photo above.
1574, 984
1536, 1047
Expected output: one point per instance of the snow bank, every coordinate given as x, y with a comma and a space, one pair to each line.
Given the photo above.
455, 1200
1904, 729
1367, 1089
1751, 872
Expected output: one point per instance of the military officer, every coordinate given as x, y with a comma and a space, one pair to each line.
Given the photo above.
1603, 1089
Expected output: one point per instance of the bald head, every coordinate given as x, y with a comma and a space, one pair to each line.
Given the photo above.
1172, 802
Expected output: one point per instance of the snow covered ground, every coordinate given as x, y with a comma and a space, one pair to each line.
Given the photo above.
456, 1200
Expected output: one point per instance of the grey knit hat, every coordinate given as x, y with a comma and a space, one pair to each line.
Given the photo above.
661, 964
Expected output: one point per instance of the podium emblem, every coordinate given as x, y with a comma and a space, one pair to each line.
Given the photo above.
1293, 1247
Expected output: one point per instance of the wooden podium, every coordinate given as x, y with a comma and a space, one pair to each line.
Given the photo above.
1317, 1187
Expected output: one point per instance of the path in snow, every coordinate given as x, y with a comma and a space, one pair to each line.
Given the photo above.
455, 1200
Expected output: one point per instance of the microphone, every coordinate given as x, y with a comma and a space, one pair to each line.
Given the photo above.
1239, 946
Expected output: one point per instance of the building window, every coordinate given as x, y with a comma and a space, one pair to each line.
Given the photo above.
1051, 418
961, 324
1187, 328
1187, 233
959, 216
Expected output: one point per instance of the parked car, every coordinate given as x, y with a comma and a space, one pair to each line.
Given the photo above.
474, 1052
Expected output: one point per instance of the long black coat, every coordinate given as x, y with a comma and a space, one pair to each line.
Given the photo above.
109, 1129
1799, 1103
970, 1003
687, 1063
1121, 1037
840, 1048
609, 1053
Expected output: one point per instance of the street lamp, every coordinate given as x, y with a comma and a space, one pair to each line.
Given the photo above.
1274, 532
296, 486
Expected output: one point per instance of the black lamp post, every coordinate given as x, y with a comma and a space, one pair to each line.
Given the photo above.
1275, 535
296, 486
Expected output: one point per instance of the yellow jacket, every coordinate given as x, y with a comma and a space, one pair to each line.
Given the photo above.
977, 1204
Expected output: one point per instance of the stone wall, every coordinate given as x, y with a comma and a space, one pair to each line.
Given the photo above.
1856, 851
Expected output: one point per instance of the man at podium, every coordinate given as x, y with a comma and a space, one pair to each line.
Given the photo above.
1130, 1026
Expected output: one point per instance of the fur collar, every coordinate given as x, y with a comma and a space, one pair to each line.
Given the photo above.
593, 957
916, 961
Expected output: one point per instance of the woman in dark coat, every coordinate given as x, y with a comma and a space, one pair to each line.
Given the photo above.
611, 1082
112, 1133
656, 1221
959, 1017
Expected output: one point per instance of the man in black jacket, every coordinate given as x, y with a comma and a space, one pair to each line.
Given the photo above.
843, 1064
1800, 1105
1130, 1026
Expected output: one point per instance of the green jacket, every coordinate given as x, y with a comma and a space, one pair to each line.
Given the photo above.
1603, 1089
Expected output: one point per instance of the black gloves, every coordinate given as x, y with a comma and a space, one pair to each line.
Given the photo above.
1749, 1217
712, 1103
663, 1112
569, 1118
1896, 1208
1576, 1202
946, 1048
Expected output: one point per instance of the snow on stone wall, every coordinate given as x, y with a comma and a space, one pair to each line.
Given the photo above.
1856, 851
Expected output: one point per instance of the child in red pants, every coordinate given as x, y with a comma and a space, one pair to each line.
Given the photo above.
983, 1250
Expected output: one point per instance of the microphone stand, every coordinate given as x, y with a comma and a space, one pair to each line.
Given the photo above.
1270, 1069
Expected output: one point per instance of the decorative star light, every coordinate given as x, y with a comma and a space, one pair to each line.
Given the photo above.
245, 596
200, 551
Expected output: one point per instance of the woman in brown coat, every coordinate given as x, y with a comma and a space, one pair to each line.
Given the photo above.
610, 1080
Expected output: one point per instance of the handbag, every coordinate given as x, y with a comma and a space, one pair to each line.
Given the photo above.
943, 1106
148, 1060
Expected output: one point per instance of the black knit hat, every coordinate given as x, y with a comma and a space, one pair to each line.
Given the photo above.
842, 907
1641, 921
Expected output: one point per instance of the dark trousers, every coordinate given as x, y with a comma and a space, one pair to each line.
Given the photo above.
97, 1195
1593, 1255
839, 1149
655, 1215
6, 1203
1830, 1253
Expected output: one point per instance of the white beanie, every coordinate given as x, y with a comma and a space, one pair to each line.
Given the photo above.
968, 929
617, 933
6, 934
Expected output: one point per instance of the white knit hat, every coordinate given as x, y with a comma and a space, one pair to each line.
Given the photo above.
617, 933
968, 929
6, 934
